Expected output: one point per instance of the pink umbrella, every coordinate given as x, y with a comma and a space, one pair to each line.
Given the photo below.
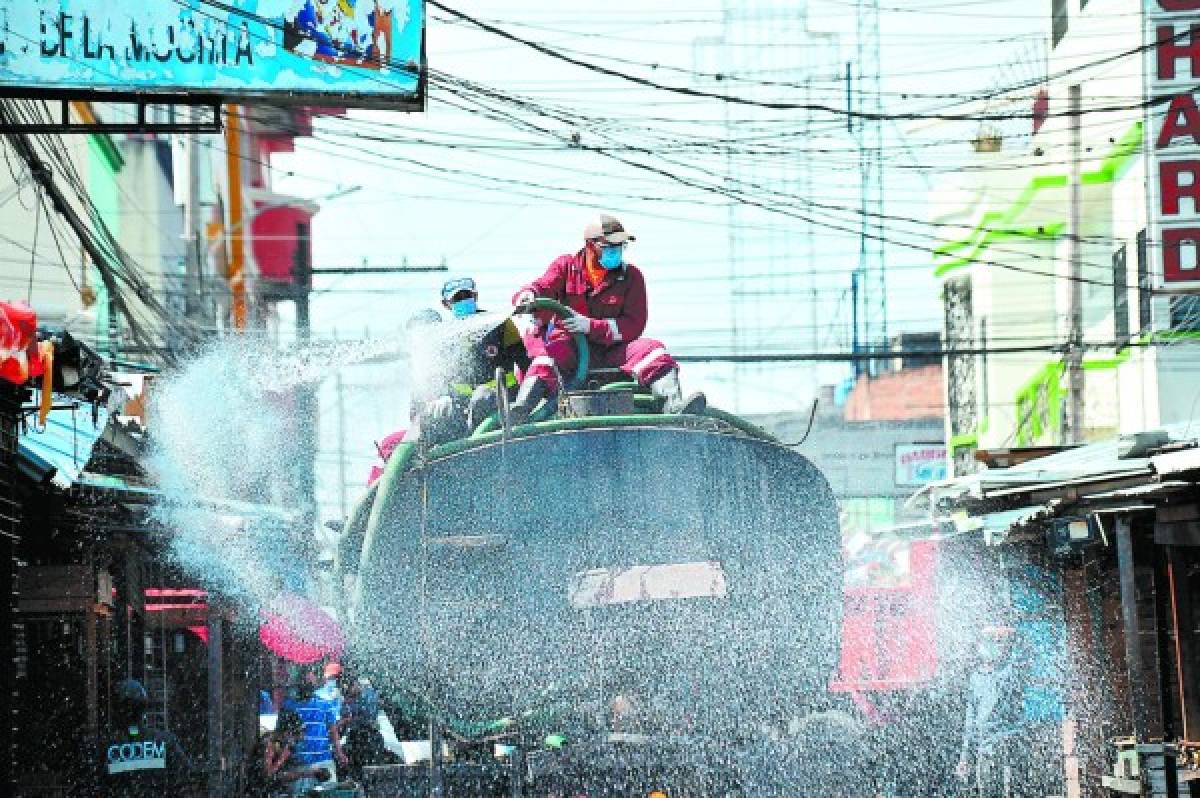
300, 631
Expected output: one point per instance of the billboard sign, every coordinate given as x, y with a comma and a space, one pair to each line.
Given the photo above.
1171, 69
342, 52
920, 463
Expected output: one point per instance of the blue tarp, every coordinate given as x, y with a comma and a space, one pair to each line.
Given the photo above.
60, 452
1035, 595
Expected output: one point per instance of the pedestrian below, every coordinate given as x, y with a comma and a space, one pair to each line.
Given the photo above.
607, 296
274, 767
360, 728
993, 718
138, 761
319, 745
330, 689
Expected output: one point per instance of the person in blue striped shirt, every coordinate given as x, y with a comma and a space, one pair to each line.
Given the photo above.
320, 746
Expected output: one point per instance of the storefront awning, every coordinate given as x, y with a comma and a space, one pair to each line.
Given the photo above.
1180, 462
133, 493
59, 453
998, 527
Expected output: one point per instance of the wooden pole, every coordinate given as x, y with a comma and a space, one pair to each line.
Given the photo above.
1138, 698
216, 703
1183, 620
237, 218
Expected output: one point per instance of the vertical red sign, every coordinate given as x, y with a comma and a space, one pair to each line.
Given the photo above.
1172, 69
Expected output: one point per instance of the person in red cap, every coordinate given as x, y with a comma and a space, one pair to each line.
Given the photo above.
607, 294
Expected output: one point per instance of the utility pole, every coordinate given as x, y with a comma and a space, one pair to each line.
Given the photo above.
306, 400
1075, 376
194, 293
869, 104
341, 432
340, 388
862, 252
216, 700
302, 278
855, 343
238, 308
849, 98
810, 245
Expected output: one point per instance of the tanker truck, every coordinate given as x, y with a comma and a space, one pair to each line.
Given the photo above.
605, 601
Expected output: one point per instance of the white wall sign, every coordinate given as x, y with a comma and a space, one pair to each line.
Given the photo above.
920, 463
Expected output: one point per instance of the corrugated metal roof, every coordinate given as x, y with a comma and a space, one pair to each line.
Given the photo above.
65, 445
1177, 462
1096, 460
996, 527
1148, 491
1137, 482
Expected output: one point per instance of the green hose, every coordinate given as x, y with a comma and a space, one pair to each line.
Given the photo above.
349, 548
547, 407
581, 349
385, 496
643, 419
542, 411
621, 386
489, 424
753, 430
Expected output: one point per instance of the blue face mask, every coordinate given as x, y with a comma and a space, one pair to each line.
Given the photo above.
464, 308
612, 257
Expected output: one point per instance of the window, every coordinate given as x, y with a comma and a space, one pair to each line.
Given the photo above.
1185, 313
1120, 279
1058, 20
1143, 272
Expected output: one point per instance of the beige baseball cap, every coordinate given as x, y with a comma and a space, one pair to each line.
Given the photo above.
608, 228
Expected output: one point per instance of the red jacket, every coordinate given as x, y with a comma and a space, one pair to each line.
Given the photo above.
617, 307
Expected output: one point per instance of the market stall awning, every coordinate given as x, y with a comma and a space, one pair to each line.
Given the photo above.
1180, 462
59, 453
133, 492
1097, 467
997, 527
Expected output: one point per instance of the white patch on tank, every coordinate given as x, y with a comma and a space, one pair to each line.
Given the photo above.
604, 586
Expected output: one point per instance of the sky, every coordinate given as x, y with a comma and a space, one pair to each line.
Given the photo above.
770, 271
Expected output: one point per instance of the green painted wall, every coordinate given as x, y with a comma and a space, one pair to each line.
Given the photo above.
1039, 401
1003, 224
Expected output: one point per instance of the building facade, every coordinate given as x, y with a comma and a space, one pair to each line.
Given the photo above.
1047, 277
93, 236
876, 448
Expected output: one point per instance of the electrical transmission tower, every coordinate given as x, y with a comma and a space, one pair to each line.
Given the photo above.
769, 49
867, 102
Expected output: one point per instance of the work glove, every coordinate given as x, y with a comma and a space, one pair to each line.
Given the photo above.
441, 408
577, 324
524, 298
